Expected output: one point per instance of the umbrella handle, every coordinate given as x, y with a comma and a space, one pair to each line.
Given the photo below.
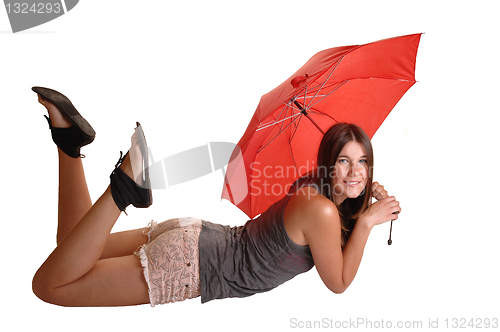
389, 242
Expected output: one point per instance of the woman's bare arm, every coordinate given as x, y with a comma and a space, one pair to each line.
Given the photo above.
322, 231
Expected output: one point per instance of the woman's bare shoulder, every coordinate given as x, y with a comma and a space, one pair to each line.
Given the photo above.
311, 202
307, 208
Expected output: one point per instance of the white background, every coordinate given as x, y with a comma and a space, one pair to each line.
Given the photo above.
192, 72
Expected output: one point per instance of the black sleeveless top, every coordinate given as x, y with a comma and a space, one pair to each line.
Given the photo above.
254, 258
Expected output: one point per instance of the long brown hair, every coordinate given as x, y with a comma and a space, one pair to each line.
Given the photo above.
330, 147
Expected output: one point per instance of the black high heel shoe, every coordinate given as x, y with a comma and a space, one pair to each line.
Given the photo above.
137, 191
71, 139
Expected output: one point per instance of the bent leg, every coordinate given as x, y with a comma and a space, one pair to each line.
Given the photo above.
74, 274
74, 268
77, 254
112, 282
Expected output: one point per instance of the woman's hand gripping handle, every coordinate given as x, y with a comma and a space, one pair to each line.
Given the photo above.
387, 208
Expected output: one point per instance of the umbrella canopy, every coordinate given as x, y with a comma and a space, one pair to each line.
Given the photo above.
356, 84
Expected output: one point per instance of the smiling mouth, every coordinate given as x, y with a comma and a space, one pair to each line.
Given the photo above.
352, 183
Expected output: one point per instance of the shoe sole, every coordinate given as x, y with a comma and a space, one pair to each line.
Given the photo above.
145, 159
65, 106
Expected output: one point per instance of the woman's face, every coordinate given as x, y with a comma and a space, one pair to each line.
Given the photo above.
351, 172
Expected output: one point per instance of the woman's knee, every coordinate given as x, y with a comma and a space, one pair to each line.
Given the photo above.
41, 288
57, 296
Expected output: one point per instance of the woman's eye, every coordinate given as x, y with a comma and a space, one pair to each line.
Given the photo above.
343, 161
363, 161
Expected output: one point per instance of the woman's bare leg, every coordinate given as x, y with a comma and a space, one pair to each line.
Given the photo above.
124, 243
74, 274
74, 198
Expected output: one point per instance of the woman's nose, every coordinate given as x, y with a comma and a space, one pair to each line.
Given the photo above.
353, 170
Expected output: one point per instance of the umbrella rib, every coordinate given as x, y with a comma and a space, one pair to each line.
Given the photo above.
323, 83
281, 129
307, 106
272, 121
270, 124
276, 136
290, 145
293, 135
318, 112
319, 87
283, 112
344, 82
275, 121
326, 95
383, 78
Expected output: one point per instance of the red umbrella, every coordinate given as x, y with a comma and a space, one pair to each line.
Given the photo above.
357, 84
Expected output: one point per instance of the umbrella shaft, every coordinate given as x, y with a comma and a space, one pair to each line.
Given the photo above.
303, 111
314, 123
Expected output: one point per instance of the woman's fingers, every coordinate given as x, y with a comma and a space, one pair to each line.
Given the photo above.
378, 191
386, 209
392, 206
395, 209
